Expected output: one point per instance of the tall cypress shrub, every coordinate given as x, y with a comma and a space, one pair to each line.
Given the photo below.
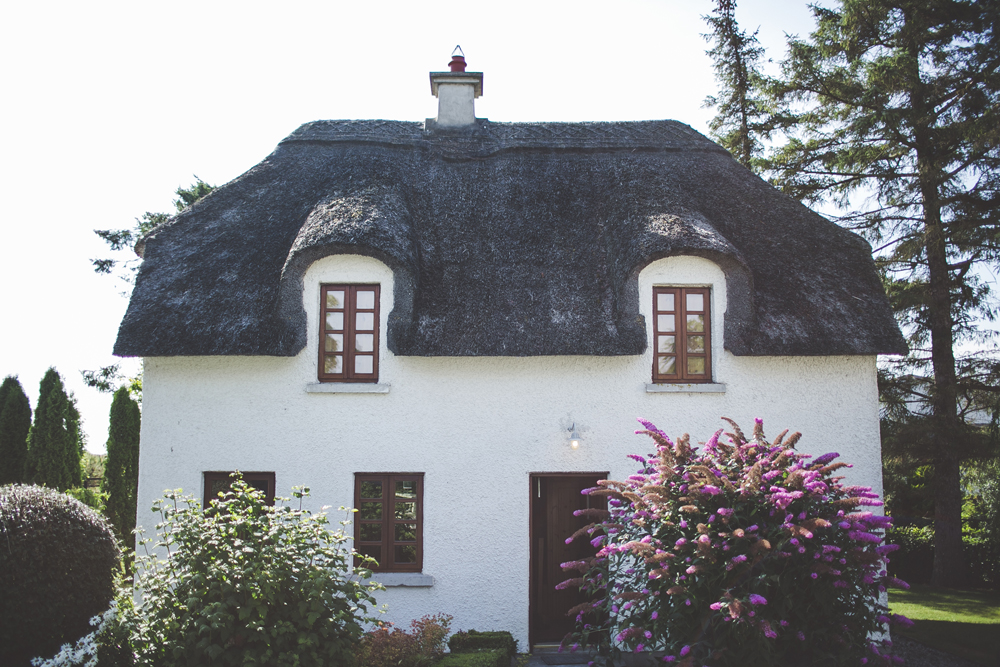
15, 422
121, 468
50, 442
74, 452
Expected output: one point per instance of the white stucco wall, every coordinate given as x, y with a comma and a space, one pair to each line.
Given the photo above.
477, 427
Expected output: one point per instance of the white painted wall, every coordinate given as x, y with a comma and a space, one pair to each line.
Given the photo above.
477, 427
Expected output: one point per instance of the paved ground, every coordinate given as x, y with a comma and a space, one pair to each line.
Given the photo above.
914, 653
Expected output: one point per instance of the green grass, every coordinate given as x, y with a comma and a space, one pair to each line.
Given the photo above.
965, 623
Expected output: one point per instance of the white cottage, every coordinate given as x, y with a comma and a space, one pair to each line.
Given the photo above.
453, 325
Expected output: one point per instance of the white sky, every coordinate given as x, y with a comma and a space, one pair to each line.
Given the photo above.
108, 107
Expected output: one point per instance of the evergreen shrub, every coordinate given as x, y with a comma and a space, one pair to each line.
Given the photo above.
747, 553
464, 642
494, 657
246, 583
57, 563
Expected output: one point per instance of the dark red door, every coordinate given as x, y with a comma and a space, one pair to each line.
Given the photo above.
554, 497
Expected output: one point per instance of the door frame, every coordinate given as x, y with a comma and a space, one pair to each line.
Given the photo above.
601, 474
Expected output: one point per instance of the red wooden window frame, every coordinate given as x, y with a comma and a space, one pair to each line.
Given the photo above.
385, 546
672, 306
259, 480
347, 315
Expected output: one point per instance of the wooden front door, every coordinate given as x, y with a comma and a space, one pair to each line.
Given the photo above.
554, 497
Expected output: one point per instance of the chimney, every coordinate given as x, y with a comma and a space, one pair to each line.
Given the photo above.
456, 91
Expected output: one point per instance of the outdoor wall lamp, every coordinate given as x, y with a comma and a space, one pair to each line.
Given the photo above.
574, 437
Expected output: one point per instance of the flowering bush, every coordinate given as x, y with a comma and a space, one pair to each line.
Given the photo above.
747, 553
244, 583
386, 646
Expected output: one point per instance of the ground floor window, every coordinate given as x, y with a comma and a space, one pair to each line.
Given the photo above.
217, 482
388, 525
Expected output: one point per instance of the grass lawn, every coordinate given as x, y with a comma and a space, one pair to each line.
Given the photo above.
965, 623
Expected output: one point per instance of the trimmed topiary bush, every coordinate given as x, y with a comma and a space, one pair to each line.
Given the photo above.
57, 563
466, 642
491, 657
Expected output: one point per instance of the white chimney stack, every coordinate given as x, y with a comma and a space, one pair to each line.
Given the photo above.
456, 91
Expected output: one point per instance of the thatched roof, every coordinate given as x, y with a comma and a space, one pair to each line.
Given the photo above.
506, 239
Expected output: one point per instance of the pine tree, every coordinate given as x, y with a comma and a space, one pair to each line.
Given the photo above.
894, 110
121, 468
51, 444
743, 117
15, 422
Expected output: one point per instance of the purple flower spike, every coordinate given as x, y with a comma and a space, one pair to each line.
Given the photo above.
826, 458
757, 599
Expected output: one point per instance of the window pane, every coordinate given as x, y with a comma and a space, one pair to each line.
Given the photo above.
666, 365
372, 550
370, 511
365, 322
334, 342
333, 363
335, 299
696, 302
696, 365
219, 486
259, 484
406, 489
665, 344
366, 300
364, 364
406, 510
406, 532
371, 489
664, 301
696, 322
696, 344
664, 323
406, 553
371, 532
364, 342
334, 321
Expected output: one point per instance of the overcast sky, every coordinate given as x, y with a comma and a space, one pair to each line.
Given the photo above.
108, 107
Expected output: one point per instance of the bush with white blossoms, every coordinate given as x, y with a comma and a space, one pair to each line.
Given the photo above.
745, 553
85, 651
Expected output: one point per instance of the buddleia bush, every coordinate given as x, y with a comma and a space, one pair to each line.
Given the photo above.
57, 564
745, 553
245, 583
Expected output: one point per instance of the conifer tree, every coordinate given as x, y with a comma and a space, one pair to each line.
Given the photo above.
743, 118
15, 422
121, 468
52, 447
893, 113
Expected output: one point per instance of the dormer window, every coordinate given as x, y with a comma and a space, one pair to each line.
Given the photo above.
682, 334
349, 323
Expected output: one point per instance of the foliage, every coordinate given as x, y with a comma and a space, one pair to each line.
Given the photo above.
15, 422
55, 443
121, 469
915, 558
245, 583
744, 112
745, 553
56, 571
891, 111
387, 646
475, 641
92, 498
483, 658
119, 240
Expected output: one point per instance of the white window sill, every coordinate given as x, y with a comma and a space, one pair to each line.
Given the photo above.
346, 388
690, 388
402, 579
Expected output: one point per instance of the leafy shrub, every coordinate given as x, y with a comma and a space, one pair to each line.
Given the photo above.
914, 561
495, 657
747, 553
57, 559
464, 642
245, 583
388, 646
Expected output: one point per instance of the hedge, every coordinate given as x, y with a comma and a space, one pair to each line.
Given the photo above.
465, 642
495, 657
914, 560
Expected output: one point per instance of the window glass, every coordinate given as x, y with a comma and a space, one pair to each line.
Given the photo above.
349, 333
394, 538
681, 354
